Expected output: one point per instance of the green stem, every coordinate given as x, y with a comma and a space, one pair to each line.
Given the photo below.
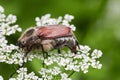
43, 64
43, 60
71, 74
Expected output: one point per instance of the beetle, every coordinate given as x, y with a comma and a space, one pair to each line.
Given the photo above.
46, 38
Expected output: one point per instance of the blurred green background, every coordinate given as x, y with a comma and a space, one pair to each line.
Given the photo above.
97, 22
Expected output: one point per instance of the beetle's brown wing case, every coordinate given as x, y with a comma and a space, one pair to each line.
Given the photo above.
54, 31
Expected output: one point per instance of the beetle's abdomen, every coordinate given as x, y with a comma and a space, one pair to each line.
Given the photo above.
65, 41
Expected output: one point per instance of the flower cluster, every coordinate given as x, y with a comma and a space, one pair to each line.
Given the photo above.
67, 61
55, 66
52, 73
47, 20
23, 75
6, 29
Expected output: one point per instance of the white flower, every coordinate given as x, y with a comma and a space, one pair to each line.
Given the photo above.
11, 19
76, 68
63, 61
2, 17
59, 20
64, 76
1, 9
3, 41
72, 27
84, 49
46, 20
2, 58
38, 21
43, 71
3, 28
69, 54
55, 71
12, 47
68, 17
32, 76
65, 22
23, 75
46, 73
48, 61
84, 67
45, 17
96, 54
73, 65
16, 27
85, 58
1, 78
12, 79
78, 56
49, 77
22, 70
69, 66
30, 57
19, 29
40, 79
96, 65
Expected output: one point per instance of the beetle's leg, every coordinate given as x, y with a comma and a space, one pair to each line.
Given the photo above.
59, 51
25, 55
44, 56
43, 51
73, 49
77, 44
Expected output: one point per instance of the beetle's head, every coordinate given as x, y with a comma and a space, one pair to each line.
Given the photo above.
26, 38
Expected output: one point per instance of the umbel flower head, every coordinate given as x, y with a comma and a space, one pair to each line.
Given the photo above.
56, 66
7, 27
46, 20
